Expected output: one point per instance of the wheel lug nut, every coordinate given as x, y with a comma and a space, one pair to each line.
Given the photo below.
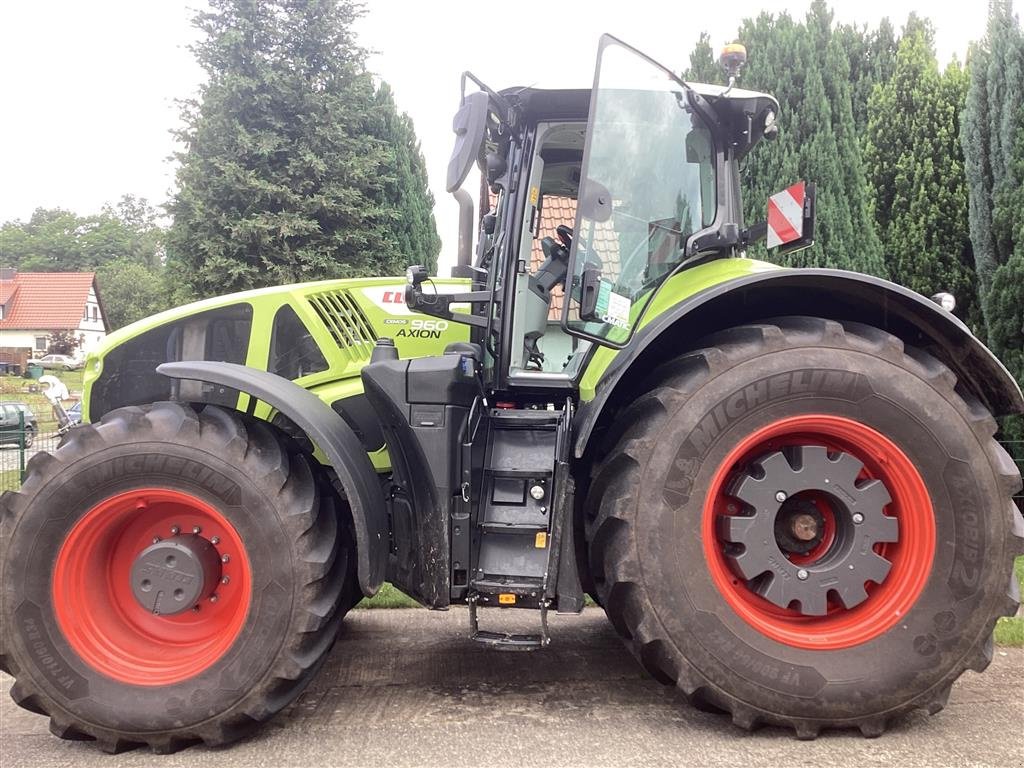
225, 579
781, 496
858, 518
225, 559
156, 539
175, 530
213, 598
215, 540
196, 529
801, 574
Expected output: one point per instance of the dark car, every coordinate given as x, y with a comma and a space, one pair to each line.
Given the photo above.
10, 420
75, 414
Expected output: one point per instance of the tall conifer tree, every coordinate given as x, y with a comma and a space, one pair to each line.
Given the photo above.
916, 169
287, 157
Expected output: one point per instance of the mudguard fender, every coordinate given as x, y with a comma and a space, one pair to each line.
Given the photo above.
329, 432
833, 294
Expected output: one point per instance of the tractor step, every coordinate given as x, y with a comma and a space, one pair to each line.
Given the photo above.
509, 641
524, 487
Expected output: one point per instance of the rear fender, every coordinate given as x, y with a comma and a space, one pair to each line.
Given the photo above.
329, 432
828, 293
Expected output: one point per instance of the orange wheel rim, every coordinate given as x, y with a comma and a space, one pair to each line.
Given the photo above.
911, 555
100, 615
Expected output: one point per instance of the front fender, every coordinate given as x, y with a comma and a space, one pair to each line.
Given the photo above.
829, 293
329, 432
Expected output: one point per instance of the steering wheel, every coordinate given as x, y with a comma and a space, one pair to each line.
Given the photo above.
565, 235
590, 259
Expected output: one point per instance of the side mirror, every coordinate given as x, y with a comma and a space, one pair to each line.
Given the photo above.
469, 125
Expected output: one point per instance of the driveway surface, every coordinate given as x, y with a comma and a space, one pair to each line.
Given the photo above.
407, 688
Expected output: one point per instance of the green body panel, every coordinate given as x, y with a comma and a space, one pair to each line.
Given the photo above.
381, 301
677, 288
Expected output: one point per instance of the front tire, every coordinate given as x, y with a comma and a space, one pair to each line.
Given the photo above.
170, 577
894, 475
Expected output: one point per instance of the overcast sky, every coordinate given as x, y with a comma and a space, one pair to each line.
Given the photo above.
89, 85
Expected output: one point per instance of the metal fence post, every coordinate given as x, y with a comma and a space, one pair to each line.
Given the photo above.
21, 445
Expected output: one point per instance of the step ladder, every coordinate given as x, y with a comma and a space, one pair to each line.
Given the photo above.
519, 520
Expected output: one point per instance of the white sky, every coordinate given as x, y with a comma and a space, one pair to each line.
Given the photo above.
88, 88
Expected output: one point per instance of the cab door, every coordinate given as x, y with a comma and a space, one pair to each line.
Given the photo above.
648, 184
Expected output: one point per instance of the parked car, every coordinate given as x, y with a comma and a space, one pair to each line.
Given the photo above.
58, 362
75, 414
10, 420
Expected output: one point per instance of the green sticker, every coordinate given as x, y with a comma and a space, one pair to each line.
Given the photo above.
603, 296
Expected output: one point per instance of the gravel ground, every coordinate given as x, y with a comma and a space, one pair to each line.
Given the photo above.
406, 688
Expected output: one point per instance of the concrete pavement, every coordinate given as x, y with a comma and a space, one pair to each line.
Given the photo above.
406, 688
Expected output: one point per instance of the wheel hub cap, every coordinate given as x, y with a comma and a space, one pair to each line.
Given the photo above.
170, 576
780, 520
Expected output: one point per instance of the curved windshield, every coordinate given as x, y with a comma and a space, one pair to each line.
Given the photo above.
648, 184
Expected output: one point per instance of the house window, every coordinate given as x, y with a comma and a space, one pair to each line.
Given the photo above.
86, 315
95, 313
42, 342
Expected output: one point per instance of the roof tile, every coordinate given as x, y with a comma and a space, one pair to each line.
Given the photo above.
45, 300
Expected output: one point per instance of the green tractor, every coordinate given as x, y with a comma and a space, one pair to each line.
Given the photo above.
781, 485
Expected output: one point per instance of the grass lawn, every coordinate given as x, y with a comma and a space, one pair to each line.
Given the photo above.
388, 597
1010, 631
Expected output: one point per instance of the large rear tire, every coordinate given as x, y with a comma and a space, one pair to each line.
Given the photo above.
867, 450
169, 577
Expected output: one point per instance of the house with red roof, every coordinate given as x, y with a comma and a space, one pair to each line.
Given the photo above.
36, 305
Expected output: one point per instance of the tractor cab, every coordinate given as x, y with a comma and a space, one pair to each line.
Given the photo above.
594, 198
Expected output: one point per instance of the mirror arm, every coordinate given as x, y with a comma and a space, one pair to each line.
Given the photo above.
755, 233
439, 304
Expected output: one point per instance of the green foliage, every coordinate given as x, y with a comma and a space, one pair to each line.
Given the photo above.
406, 190
915, 166
990, 123
704, 66
55, 240
872, 57
992, 136
293, 165
62, 343
130, 292
807, 67
1005, 302
123, 244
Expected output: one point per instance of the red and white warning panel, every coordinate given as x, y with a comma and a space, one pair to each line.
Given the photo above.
786, 215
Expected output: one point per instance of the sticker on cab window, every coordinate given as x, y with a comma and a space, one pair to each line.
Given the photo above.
613, 308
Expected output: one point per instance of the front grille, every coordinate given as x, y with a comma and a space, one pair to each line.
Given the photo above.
346, 322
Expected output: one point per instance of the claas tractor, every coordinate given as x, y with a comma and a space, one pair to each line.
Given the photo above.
781, 485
